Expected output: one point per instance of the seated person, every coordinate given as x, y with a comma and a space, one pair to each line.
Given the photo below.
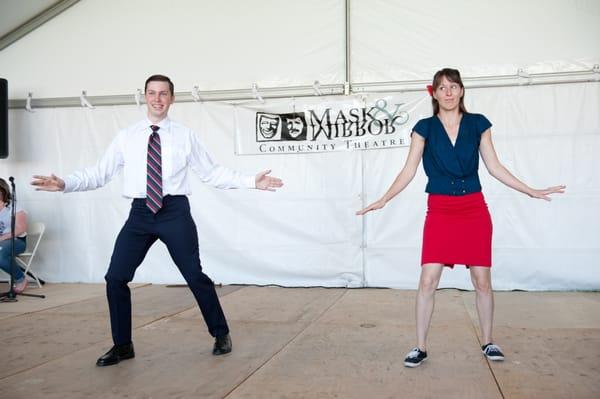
19, 281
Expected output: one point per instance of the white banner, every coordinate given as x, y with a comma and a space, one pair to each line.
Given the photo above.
328, 124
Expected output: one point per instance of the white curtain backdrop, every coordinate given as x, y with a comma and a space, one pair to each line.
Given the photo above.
307, 233
545, 135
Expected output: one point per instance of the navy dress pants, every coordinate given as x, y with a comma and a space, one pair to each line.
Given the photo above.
173, 225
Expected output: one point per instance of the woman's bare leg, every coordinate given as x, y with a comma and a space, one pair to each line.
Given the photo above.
428, 283
484, 300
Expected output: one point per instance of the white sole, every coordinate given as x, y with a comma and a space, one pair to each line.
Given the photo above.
413, 365
495, 358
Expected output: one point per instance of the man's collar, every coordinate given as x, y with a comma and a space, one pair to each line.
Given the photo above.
163, 124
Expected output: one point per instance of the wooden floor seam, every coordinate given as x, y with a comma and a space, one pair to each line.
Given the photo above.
474, 326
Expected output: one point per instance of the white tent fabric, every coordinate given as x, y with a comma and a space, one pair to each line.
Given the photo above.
307, 233
108, 47
406, 40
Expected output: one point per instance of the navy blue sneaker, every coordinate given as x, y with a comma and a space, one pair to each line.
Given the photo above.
492, 352
415, 357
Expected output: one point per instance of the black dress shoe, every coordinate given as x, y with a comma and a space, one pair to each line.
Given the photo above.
222, 345
115, 355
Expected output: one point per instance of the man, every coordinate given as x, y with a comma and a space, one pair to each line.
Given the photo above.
156, 155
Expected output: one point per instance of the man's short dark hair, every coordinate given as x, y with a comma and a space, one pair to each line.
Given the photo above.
160, 78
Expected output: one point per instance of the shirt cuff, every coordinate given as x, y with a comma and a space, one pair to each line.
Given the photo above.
250, 182
70, 184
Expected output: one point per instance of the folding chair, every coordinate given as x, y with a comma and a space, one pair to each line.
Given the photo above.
35, 231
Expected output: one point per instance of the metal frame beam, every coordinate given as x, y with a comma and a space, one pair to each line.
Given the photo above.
35, 22
215, 95
519, 79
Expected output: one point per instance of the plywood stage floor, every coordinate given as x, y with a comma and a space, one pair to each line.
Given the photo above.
299, 343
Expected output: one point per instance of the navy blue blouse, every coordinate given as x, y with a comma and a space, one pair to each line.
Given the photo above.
452, 169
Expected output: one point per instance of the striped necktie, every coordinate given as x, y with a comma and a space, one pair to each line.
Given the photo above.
154, 193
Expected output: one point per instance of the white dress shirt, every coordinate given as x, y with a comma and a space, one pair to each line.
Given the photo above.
180, 151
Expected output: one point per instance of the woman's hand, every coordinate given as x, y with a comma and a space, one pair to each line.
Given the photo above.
544, 193
373, 207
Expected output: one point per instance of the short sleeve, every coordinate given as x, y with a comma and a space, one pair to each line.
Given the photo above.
422, 128
481, 124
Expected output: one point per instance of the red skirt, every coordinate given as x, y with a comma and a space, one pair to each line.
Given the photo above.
458, 230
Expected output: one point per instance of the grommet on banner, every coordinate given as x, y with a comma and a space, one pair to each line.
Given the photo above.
317, 88
138, 97
84, 101
256, 94
196, 93
28, 102
523, 76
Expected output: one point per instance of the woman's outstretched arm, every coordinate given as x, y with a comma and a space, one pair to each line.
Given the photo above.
415, 153
496, 169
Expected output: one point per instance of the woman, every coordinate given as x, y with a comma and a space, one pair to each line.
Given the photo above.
458, 227
20, 282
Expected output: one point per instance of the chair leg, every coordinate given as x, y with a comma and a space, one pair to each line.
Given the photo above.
38, 280
29, 273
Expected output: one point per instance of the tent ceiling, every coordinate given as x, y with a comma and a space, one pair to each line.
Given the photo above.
20, 17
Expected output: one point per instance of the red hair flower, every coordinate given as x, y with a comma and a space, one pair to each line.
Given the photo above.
430, 90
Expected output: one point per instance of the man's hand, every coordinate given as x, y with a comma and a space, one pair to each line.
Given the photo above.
264, 182
48, 183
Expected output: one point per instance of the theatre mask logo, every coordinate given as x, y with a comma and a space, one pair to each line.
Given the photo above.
328, 124
280, 127
323, 125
